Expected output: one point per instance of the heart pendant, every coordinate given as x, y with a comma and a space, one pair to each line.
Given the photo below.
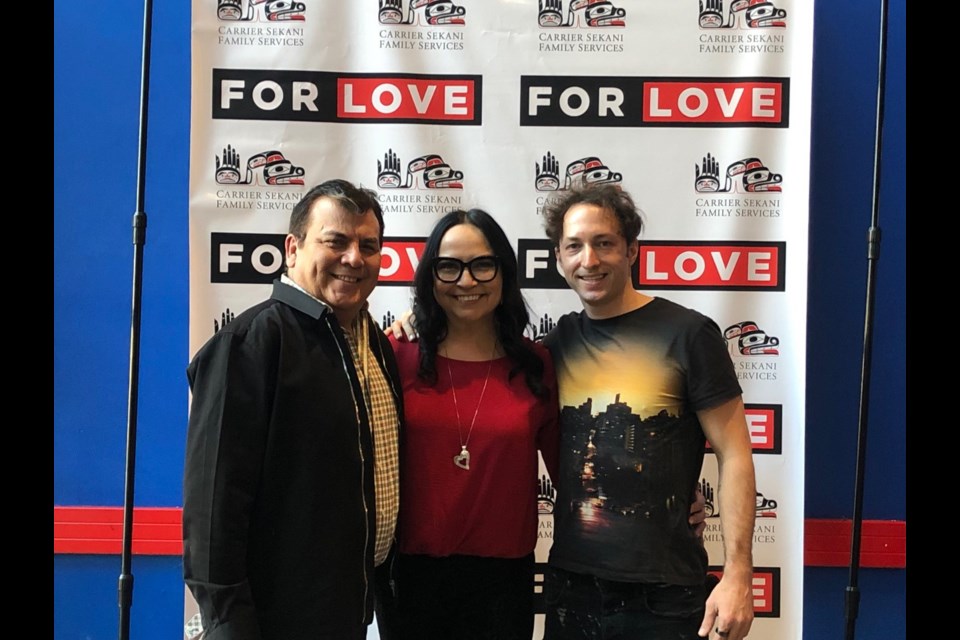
462, 459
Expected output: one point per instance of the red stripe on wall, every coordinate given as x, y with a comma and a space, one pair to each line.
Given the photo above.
157, 532
99, 530
883, 543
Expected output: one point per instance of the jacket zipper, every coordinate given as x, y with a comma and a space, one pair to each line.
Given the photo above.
363, 461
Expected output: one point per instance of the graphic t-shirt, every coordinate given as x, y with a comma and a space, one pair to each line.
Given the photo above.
631, 446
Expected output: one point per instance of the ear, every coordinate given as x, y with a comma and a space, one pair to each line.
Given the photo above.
633, 251
290, 250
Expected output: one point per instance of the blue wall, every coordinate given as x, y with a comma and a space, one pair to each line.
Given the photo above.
97, 67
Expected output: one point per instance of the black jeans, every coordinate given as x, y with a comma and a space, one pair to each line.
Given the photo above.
584, 607
465, 598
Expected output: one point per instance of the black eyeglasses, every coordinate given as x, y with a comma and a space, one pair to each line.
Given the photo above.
482, 268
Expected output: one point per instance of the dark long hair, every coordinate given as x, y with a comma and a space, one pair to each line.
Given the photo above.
511, 317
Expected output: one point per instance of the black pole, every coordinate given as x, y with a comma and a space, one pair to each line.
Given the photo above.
125, 586
852, 600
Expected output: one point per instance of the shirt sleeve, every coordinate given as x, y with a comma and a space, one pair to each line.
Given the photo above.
712, 379
226, 437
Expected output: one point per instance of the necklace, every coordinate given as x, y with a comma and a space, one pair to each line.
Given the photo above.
462, 459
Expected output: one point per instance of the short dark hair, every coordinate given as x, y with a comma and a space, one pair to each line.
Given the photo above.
606, 196
511, 317
351, 198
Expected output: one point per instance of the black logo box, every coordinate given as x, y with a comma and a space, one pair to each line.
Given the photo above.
327, 85
538, 266
632, 90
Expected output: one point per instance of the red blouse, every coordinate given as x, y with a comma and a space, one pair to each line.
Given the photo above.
491, 509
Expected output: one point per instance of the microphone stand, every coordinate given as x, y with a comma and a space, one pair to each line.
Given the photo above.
852, 595
125, 585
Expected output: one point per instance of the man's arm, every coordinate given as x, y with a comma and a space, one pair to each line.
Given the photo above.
225, 443
729, 608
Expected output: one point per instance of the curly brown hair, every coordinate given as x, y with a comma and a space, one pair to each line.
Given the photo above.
606, 196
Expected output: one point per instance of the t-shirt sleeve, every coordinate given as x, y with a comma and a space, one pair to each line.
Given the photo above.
711, 378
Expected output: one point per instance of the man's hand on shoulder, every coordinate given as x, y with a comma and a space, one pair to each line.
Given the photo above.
403, 328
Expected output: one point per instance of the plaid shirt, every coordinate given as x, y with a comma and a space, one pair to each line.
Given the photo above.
383, 421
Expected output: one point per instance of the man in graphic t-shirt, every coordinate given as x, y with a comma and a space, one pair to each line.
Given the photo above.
643, 383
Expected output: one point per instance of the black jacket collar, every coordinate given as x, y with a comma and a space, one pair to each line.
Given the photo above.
299, 300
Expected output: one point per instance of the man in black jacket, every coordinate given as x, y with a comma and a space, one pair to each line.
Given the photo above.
290, 480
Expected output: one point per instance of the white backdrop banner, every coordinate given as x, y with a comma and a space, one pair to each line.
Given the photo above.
699, 108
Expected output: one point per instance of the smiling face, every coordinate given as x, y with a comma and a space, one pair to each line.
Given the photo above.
467, 301
338, 260
596, 260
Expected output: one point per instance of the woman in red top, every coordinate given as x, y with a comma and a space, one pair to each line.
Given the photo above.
480, 401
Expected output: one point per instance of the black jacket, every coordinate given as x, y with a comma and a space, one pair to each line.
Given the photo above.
278, 513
